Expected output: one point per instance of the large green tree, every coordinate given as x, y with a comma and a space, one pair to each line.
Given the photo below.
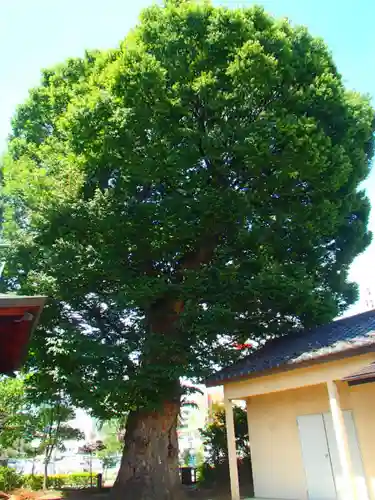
194, 187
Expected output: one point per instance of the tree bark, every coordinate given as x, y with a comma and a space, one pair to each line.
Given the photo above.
149, 467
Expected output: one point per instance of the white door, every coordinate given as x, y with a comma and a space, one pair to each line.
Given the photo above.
316, 458
355, 455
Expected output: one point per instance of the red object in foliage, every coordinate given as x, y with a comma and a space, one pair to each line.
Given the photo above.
18, 317
246, 345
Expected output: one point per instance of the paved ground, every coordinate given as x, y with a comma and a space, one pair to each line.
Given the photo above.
192, 494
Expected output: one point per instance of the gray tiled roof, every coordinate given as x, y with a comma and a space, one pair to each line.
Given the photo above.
308, 344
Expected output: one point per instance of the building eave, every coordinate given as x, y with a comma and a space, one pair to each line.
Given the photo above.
335, 356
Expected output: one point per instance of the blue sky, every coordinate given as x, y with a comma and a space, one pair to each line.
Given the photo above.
35, 34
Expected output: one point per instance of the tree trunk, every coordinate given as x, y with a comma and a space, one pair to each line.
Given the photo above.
149, 466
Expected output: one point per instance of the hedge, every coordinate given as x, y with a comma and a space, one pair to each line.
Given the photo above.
58, 481
10, 480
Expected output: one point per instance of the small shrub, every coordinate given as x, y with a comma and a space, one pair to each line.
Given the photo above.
33, 481
10, 479
206, 474
58, 481
81, 480
214, 472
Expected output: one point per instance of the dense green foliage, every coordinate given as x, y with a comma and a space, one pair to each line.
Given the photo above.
16, 421
57, 481
193, 187
214, 436
10, 480
214, 470
112, 436
23, 420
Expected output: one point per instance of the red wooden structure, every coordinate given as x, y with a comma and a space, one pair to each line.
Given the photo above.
18, 318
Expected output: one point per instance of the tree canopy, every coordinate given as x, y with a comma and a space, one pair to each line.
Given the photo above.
195, 186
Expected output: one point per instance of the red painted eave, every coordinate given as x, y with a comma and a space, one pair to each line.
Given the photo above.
18, 318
